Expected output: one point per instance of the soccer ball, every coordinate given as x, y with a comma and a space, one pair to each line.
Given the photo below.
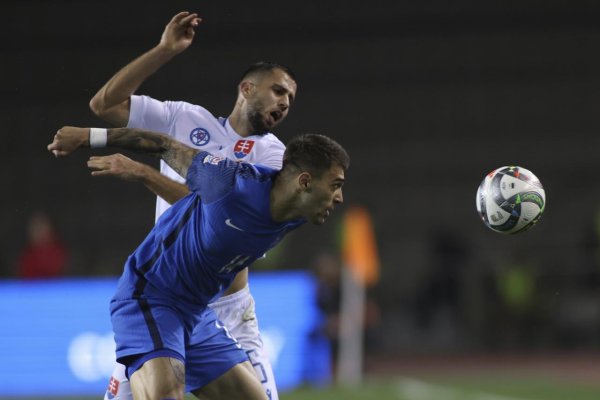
510, 200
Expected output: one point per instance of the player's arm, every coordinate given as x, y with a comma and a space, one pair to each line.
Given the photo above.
120, 166
112, 102
177, 155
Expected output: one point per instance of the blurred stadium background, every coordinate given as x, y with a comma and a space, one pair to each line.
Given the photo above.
426, 96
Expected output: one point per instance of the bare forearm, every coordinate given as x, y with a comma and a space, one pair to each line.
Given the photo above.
112, 100
175, 154
179, 156
168, 189
122, 167
138, 140
125, 82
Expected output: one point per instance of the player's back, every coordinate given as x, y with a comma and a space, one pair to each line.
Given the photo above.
203, 240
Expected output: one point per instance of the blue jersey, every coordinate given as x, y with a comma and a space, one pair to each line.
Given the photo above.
199, 244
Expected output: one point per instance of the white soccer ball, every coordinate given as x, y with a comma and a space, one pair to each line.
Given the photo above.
510, 200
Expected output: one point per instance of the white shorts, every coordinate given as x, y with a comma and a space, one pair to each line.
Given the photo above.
237, 313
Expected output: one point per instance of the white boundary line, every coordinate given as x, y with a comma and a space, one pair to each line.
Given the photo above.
413, 389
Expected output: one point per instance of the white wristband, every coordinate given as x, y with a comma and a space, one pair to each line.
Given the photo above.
98, 137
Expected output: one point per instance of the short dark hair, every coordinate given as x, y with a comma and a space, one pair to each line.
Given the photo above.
314, 153
266, 66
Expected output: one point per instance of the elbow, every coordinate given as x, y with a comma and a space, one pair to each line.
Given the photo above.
117, 114
96, 106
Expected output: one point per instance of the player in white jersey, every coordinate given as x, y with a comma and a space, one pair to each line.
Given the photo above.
265, 94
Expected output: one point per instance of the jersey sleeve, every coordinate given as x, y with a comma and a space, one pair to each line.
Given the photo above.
151, 114
270, 154
212, 177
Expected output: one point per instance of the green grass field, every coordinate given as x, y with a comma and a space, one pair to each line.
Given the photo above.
455, 389
440, 388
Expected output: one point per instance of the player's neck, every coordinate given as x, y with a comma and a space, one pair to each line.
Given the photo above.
284, 201
240, 125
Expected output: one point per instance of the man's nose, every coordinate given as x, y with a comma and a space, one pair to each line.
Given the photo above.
284, 103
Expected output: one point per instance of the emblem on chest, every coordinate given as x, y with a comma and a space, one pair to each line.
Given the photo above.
242, 148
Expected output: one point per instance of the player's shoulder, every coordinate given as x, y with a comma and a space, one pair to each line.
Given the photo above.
258, 150
184, 106
271, 140
268, 143
174, 105
256, 172
197, 127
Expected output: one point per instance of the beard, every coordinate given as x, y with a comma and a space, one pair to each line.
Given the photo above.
257, 121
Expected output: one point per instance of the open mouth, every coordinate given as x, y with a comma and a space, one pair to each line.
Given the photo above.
276, 116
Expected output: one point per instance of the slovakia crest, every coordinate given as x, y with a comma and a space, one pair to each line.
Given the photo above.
242, 148
199, 136
113, 388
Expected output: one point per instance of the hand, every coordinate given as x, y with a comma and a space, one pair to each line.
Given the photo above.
68, 139
179, 32
116, 165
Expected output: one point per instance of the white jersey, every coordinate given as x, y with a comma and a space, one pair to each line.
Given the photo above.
196, 127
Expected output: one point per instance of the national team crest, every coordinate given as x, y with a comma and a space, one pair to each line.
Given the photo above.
243, 148
113, 388
199, 136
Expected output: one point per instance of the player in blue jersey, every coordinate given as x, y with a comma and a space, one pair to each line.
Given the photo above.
265, 94
234, 214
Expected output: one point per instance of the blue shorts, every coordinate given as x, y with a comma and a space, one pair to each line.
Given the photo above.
151, 328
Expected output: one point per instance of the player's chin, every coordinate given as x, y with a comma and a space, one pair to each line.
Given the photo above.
270, 123
319, 219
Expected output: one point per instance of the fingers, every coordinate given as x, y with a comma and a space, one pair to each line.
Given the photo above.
59, 153
115, 156
114, 163
102, 173
185, 18
100, 162
179, 16
54, 148
54, 145
102, 168
68, 139
191, 20
190, 26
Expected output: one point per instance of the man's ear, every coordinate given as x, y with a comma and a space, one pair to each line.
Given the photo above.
247, 88
304, 181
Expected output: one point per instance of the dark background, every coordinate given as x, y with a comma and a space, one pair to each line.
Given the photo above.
426, 96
